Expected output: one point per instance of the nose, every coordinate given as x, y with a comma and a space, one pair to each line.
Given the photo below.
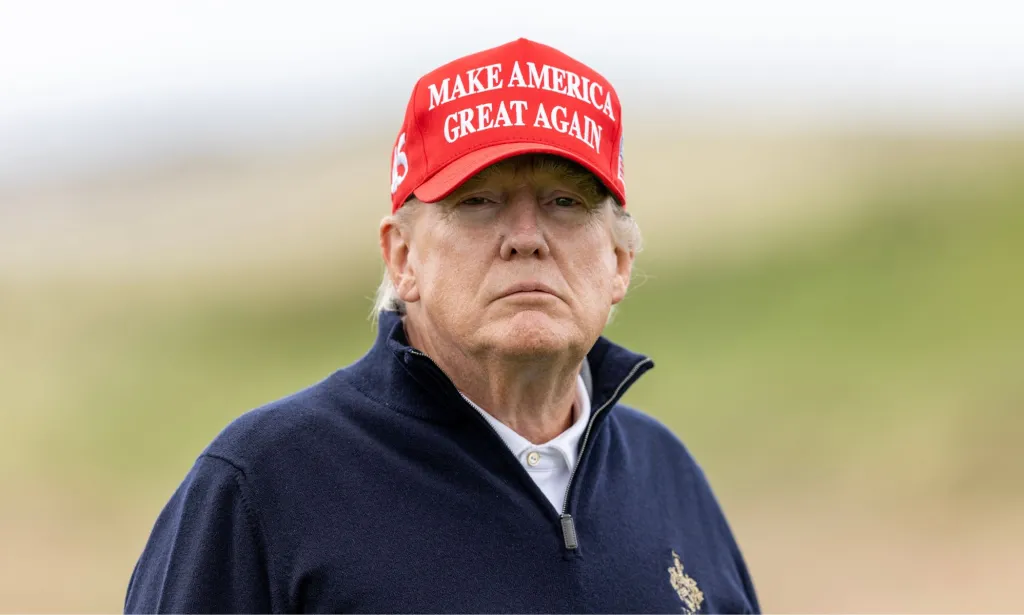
523, 233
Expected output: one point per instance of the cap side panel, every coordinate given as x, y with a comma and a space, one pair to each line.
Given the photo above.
419, 129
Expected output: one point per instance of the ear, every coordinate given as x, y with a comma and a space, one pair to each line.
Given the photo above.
395, 248
623, 272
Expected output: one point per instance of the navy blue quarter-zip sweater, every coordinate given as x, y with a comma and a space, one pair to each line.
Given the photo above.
379, 489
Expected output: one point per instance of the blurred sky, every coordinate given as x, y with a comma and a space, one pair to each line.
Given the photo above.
89, 84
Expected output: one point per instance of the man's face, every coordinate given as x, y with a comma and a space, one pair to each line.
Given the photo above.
519, 262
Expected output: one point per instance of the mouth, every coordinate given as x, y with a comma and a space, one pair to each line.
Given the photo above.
524, 288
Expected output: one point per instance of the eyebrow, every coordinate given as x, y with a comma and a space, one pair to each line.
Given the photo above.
555, 168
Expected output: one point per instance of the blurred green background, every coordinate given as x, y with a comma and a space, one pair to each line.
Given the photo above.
835, 320
832, 198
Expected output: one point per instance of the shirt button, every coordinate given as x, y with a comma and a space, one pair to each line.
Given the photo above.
533, 458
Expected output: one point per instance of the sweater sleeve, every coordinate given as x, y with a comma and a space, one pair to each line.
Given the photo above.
205, 553
752, 604
745, 587
748, 583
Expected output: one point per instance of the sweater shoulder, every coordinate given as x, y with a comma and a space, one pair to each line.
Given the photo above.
290, 425
643, 427
651, 439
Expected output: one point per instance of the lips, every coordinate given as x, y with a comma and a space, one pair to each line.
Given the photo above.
528, 287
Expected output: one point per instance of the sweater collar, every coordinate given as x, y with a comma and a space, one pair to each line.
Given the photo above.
384, 374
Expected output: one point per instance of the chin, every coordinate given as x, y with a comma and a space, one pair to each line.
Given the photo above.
531, 333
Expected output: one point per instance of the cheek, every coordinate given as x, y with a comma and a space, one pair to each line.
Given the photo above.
451, 266
593, 266
603, 275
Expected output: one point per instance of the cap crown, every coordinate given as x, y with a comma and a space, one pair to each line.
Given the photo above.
520, 97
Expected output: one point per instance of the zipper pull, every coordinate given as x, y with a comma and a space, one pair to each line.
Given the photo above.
569, 532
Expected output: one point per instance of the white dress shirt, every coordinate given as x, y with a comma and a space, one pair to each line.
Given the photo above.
549, 464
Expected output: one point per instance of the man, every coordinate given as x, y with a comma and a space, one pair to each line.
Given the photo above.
476, 459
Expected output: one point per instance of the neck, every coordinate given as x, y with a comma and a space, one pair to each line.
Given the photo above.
534, 396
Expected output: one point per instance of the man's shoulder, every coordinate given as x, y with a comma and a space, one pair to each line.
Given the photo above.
651, 438
637, 423
289, 425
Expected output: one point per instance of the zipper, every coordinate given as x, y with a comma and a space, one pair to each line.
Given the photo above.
568, 525
569, 536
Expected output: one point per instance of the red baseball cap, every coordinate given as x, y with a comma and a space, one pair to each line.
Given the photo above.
519, 98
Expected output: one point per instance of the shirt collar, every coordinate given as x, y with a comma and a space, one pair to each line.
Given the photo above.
566, 443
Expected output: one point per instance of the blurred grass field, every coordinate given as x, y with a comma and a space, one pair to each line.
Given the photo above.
836, 326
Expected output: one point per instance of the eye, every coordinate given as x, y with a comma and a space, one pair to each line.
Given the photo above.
565, 202
475, 200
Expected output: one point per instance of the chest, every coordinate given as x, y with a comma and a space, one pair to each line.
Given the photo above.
455, 536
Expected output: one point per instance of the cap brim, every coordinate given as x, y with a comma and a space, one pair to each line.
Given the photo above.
445, 181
